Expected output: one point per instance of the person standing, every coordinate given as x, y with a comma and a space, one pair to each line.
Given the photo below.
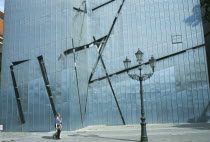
58, 121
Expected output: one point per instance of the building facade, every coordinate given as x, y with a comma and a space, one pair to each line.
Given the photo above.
1, 38
50, 64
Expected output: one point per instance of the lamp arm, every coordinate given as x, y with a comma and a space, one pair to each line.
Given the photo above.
146, 76
134, 76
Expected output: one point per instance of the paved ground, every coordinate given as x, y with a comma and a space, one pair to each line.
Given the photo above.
129, 133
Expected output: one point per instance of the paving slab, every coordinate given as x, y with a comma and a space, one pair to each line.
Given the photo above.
129, 133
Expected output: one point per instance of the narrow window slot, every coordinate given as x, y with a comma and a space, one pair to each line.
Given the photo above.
70, 51
47, 84
102, 5
17, 95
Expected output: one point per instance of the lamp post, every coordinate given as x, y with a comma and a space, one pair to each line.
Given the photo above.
141, 77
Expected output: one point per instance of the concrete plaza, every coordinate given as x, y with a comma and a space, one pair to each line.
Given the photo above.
128, 133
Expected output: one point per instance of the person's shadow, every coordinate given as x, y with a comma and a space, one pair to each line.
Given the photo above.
47, 137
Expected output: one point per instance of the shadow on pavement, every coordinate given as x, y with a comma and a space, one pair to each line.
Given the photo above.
199, 126
47, 137
96, 136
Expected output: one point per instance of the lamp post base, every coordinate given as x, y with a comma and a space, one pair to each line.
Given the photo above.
143, 130
144, 140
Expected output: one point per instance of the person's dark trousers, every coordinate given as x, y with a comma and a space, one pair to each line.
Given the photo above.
58, 133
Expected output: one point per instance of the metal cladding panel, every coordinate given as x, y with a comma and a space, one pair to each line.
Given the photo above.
58, 96
95, 106
196, 103
65, 112
36, 108
109, 107
184, 106
67, 106
104, 103
1, 105
25, 98
169, 108
4, 104
205, 112
99, 105
190, 105
175, 108
9, 109
30, 118
44, 107
75, 122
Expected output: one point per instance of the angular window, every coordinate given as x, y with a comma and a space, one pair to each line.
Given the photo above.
176, 39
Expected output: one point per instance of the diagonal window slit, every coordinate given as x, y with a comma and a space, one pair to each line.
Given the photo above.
134, 67
102, 5
47, 84
106, 40
78, 9
17, 95
80, 48
109, 81
101, 49
78, 92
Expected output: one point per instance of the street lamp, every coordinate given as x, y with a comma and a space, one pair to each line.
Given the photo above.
152, 62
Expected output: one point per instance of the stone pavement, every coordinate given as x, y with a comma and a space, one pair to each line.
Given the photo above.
128, 133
